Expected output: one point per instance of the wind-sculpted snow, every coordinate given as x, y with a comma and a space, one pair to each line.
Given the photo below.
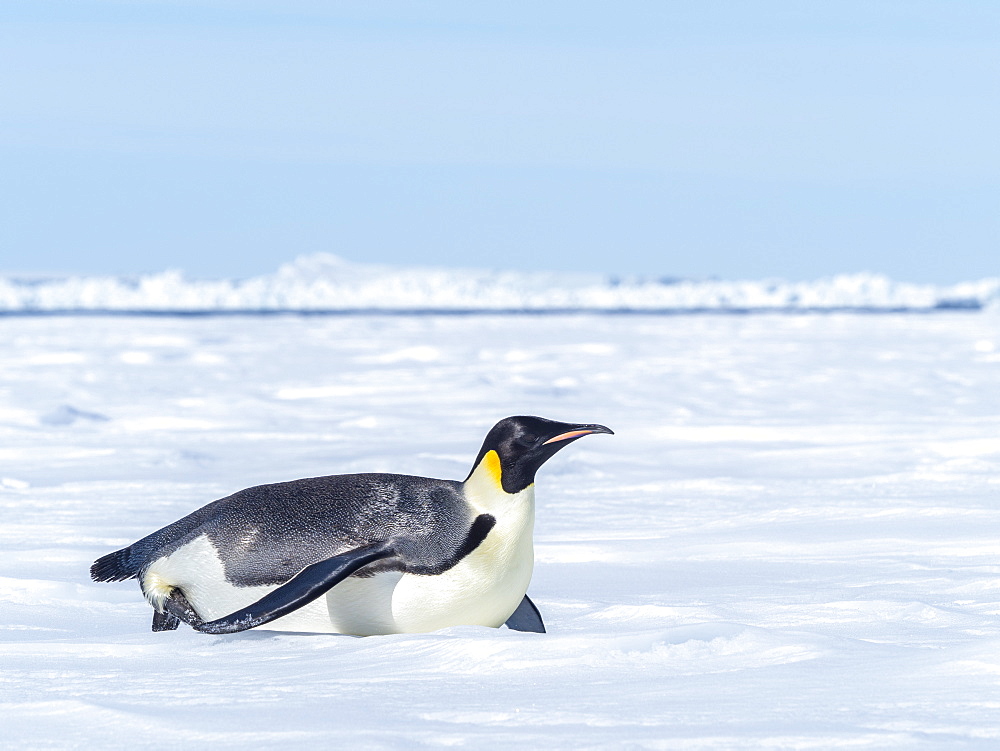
325, 283
790, 542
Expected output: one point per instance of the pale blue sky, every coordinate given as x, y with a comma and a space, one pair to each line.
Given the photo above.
730, 139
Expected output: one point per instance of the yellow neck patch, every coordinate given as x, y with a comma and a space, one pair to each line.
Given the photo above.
491, 466
485, 491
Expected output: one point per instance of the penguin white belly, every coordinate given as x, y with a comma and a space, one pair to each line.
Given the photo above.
482, 589
486, 586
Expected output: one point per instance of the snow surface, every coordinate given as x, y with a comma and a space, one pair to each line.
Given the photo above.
323, 282
791, 542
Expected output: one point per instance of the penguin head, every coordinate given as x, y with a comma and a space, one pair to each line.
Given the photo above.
520, 445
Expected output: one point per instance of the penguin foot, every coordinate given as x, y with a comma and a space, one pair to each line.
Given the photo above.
176, 608
165, 621
526, 618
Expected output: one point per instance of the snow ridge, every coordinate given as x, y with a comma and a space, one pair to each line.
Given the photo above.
323, 282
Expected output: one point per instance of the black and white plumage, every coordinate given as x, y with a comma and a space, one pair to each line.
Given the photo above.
357, 554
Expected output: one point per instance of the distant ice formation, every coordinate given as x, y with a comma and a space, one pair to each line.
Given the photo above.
324, 282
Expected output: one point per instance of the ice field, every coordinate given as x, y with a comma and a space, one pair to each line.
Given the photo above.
792, 541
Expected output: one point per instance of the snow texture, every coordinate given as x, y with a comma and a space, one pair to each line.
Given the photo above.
791, 542
323, 282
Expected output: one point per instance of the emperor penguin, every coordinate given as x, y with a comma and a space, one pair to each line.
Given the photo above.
357, 554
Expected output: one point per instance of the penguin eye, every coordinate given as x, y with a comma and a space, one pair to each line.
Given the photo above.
527, 440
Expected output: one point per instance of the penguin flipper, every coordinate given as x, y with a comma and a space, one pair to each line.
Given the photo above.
310, 583
526, 618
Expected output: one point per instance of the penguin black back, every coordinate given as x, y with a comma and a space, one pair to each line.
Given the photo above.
262, 528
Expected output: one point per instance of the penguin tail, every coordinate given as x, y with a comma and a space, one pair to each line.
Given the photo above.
114, 567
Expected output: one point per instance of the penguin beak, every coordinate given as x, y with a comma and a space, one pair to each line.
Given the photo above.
577, 431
